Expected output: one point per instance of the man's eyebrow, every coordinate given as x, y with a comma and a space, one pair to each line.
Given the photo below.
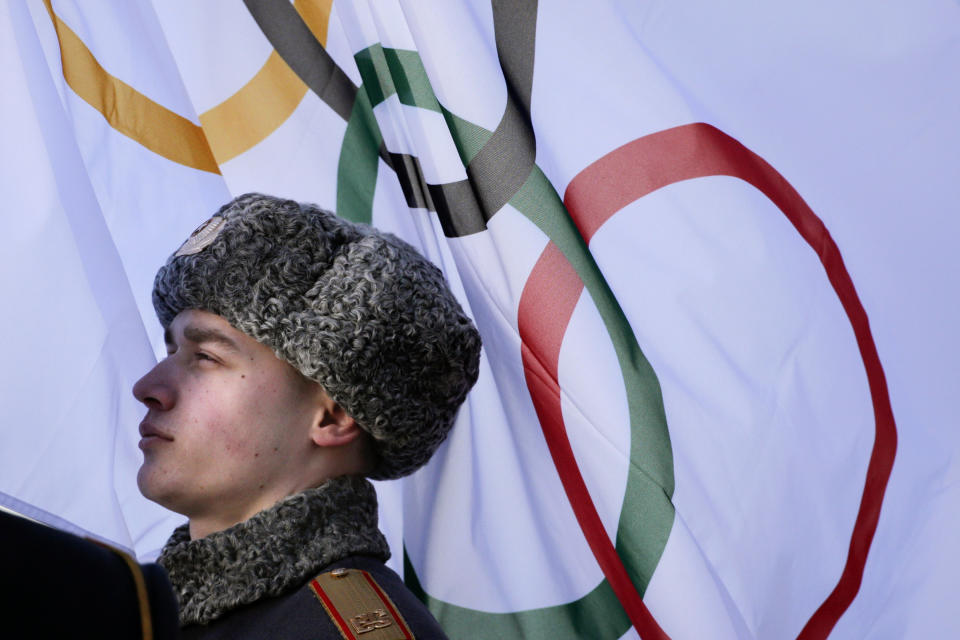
201, 335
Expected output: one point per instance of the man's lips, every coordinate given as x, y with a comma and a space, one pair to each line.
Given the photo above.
149, 433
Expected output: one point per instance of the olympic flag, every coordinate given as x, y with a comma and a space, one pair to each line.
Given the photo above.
709, 247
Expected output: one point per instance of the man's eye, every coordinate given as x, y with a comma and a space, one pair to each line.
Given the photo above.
200, 355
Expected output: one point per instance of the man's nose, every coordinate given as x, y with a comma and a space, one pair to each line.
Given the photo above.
154, 389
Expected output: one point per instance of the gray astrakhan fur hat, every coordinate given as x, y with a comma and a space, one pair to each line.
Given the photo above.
355, 309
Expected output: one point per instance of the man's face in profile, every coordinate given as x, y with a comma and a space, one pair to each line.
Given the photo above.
227, 421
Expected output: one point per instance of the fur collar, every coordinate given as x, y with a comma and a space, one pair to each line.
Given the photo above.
275, 551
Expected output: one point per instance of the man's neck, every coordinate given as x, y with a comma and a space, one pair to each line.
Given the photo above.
224, 517
202, 525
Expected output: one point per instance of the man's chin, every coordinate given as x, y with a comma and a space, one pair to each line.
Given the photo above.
151, 488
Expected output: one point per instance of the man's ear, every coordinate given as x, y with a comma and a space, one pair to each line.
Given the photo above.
333, 426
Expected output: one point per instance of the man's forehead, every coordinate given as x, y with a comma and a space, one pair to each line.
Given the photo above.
204, 327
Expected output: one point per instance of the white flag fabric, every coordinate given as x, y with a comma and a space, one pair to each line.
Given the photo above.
709, 248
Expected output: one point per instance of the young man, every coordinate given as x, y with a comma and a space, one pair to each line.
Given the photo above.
306, 353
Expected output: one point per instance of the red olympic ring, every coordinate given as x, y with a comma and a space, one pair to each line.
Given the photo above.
592, 197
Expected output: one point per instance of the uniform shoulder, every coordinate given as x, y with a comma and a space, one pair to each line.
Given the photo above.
347, 599
364, 596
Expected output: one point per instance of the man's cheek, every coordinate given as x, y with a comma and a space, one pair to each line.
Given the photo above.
232, 439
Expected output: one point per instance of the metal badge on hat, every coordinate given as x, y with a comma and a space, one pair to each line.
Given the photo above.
201, 237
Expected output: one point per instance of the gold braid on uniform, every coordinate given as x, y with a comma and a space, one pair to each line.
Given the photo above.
276, 551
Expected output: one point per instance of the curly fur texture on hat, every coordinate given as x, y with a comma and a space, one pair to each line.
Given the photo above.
355, 309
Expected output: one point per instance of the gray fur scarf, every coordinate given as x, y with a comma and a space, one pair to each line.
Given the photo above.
274, 552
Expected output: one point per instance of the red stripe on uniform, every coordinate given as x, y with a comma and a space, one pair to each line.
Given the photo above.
332, 610
389, 605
